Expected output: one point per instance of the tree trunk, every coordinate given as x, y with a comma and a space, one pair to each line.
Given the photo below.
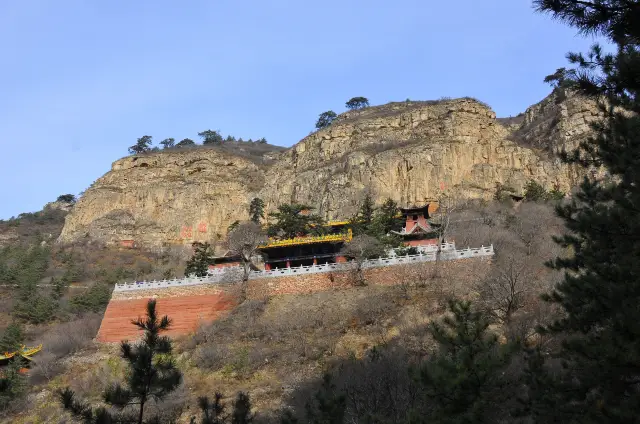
140, 416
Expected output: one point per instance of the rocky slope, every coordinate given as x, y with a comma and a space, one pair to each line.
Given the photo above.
408, 151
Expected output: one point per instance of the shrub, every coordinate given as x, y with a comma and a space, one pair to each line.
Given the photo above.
94, 300
534, 192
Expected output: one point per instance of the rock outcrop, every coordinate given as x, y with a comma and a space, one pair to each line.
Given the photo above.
408, 151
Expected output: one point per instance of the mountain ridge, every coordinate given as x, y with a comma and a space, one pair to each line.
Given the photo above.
404, 150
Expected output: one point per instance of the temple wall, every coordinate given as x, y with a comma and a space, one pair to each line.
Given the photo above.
190, 306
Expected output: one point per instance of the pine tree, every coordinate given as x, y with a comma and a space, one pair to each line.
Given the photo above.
199, 262
361, 223
329, 405
152, 373
12, 338
242, 410
13, 384
256, 210
462, 380
600, 292
212, 411
386, 219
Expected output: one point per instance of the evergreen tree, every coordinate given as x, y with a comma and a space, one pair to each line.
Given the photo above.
534, 192
386, 219
12, 384
152, 374
242, 409
361, 222
325, 119
328, 406
600, 292
212, 412
290, 221
142, 145
168, 143
12, 338
357, 103
199, 262
256, 210
211, 137
186, 142
462, 380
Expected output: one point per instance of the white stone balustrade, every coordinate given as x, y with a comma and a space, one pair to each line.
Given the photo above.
217, 275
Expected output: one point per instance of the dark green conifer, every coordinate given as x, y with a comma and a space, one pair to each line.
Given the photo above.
462, 380
600, 293
152, 374
199, 262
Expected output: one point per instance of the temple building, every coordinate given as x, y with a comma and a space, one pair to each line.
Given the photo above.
417, 230
307, 250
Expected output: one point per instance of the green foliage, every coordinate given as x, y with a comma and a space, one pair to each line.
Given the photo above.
534, 192
362, 222
325, 119
12, 338
556, 193
199, 263
185, 142
256, 210
328, 406
357, 103
233, 226
67, 198
168, 143
152, 374
35, 307
95, 299
503, 193
241, 409
142, 145
291, 221
461, 378
13, 385
385, 219
601, 289
406, 250
212, 411
211, 137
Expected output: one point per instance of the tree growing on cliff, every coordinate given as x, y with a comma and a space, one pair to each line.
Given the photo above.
142, 145
186, 142
199, 262
600, 291
168, 143
357, 103
211, 137
256, 210
244, 241
325, 119
66, 198
152, 375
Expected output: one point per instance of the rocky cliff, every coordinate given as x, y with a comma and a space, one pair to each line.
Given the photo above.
408, 151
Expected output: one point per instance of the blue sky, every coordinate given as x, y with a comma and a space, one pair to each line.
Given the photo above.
80, 80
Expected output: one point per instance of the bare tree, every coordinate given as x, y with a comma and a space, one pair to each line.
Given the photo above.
507, 289
361, 248
244, 241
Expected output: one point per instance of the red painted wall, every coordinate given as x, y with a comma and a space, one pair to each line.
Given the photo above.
186, 312
420, 242
410, 223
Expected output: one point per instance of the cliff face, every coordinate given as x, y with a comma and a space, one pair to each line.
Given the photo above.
408, 151
165, 198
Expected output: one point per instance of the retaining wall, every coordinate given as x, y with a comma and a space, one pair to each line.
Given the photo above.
187, 307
